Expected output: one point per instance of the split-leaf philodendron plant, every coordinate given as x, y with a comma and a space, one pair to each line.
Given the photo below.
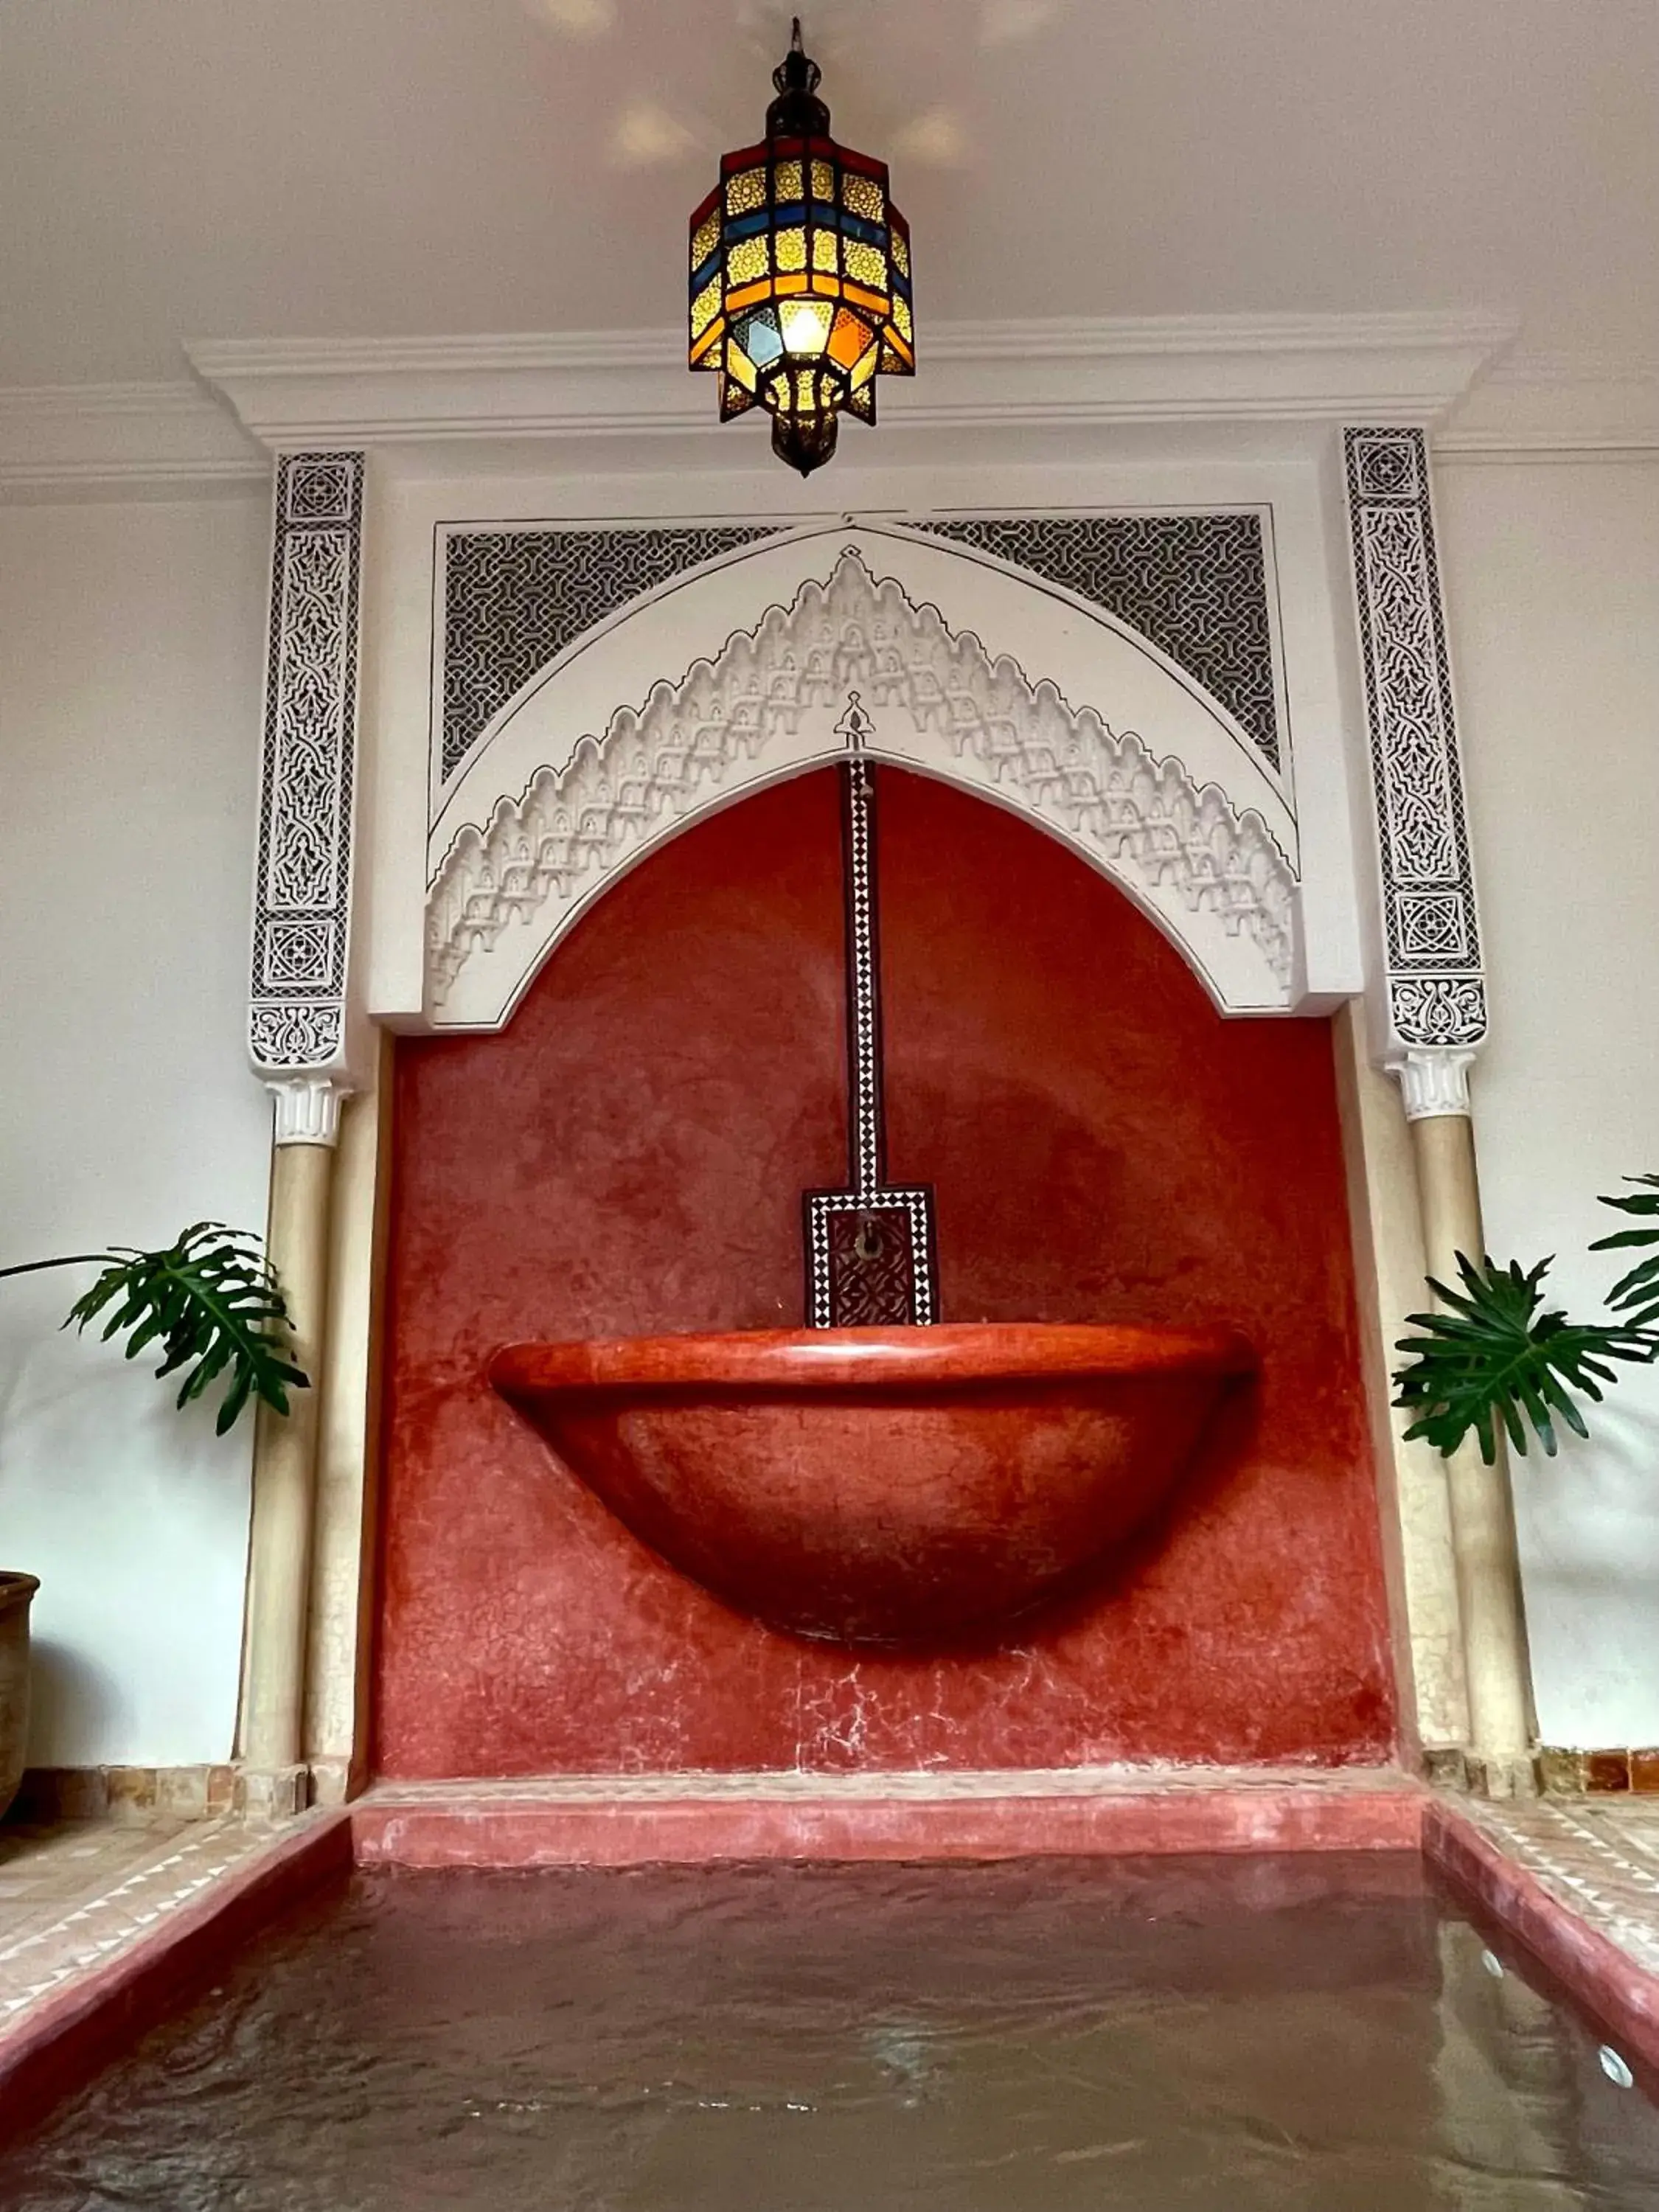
1493, 1361
210, 1302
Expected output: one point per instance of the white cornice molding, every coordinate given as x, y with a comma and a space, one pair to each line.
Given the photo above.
1443, 371
1562, 406
1395, 368
120, 441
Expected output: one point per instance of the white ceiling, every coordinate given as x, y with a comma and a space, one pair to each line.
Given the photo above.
174, 169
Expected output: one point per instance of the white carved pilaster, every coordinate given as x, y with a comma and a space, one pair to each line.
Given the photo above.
1436, 984
302, 884
1434, 1080
308, 1107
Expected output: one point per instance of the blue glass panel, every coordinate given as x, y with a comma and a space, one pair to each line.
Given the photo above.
858, 226
761, 338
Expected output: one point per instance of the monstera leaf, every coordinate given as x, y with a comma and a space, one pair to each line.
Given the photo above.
214, 1306
1493, 1355
1636, 1294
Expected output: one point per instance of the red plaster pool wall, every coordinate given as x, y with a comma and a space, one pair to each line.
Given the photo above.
627, 1157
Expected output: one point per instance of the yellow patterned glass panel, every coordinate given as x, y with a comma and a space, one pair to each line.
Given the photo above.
745, 190
824, 181
865, 368
705, 308
824, 251
901, 254
747, 261
901, 322
789, 182
865, 265
863, 196
707, 238
791, 249
737, 364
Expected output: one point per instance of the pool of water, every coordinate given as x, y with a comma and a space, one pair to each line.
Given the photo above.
1312, 2034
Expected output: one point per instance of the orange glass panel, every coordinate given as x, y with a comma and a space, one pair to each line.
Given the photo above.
849, 339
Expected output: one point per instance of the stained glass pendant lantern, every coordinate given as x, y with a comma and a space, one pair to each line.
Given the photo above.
800, 276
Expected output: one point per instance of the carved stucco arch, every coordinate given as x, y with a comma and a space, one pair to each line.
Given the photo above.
1209, 871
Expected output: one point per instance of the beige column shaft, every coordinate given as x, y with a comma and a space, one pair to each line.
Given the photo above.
285, 1469
1482, 1509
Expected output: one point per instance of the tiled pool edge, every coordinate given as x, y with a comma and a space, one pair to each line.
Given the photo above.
55, 2043
1587, 1911
1551, 1906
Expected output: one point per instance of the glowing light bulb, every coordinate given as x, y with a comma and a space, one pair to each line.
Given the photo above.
805, 325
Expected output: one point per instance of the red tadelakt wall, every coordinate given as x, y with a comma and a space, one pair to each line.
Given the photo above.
628, 1156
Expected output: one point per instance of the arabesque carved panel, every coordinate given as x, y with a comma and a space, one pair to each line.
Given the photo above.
764, 705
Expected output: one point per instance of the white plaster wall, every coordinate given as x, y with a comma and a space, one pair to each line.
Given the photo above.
130, 641
1551, 573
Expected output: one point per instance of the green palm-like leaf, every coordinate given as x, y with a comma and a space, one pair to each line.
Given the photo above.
212, 1302
1636, 1294
1492, 1356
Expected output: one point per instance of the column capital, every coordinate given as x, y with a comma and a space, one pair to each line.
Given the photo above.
308, 1105
1433, 1078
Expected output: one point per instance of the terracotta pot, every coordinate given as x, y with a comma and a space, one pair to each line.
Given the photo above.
899, 1487
16, 1592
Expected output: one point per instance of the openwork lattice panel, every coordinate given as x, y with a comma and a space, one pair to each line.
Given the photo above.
513, 599
1196, 585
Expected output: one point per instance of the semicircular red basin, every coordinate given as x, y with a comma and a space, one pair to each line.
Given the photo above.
902, 1486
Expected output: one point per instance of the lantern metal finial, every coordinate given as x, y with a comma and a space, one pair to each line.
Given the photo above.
800, 275
795, 113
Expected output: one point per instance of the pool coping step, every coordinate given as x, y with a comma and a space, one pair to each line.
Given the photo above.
1571, 1887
